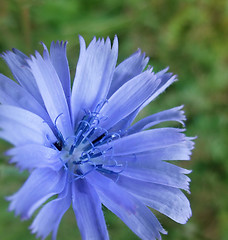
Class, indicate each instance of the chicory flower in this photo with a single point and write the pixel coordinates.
(81, 147)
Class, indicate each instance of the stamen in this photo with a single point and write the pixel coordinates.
(57, 119)
(59, 134)
(81, 153)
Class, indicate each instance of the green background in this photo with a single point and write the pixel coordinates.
(189, 36)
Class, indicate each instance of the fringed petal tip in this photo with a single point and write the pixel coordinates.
(182, 118)
(166, 76)
(56, 44)
(2, 55)
(80, 38)
(12, 208)
(34, 230)
(14, 59)
(190, 142)
(59, 44)
(174, 78)
(115, 42)
(143, 58)
(8, 199)
(186, 217)
(97, 42)
(17, 165)
(8, 152)
(5, 54)
(150, 69)
(44, 46)
(163, 71)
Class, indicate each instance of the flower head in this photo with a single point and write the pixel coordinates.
(81, 147)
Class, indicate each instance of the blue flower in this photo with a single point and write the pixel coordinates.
(81, 146)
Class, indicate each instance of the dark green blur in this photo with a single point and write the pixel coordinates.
(191, 37)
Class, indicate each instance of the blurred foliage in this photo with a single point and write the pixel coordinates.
(188, 36)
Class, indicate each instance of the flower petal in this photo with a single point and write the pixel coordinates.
(152, 170)
(167, 200)
(128, 98)
(93, 77)
(173, 114)
(13, 94)
(40, 186)
(88, 211)
(35, 156)
(128, 69)
(52, 93)
(132, 212)
(149, 140)
(17, 62)
(49, 217)
(21, 127)
(166, 79)
(59, 60)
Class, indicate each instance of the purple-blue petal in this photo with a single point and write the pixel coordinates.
(173, 114)
(128, 98)
(143, 168)
(49, 217)
(128, 208)
(93, 76)
(149, 140)
(52, 93)
(35, 156)
(166, 80)
(21, 127)
(59, 60)
(128, 69)
(167, 200)
(17, 62)
(13, 94)
(40, 186)
(88, 211)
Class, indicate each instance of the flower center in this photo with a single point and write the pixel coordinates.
(81, 153)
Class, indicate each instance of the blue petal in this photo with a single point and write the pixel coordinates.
(13, 94)
(59, 60)
(49, 217)
(88, 211)
(128, 98)
(166, 79)
(167, 200)
(150, 140)
(21, 127)
(151, 170)
(93, 77)
(173, 114)
(35, 156)
(40, 186)
(17, 62)
(178, 151)
(132, 212)
(128, 69)
(52, 92)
